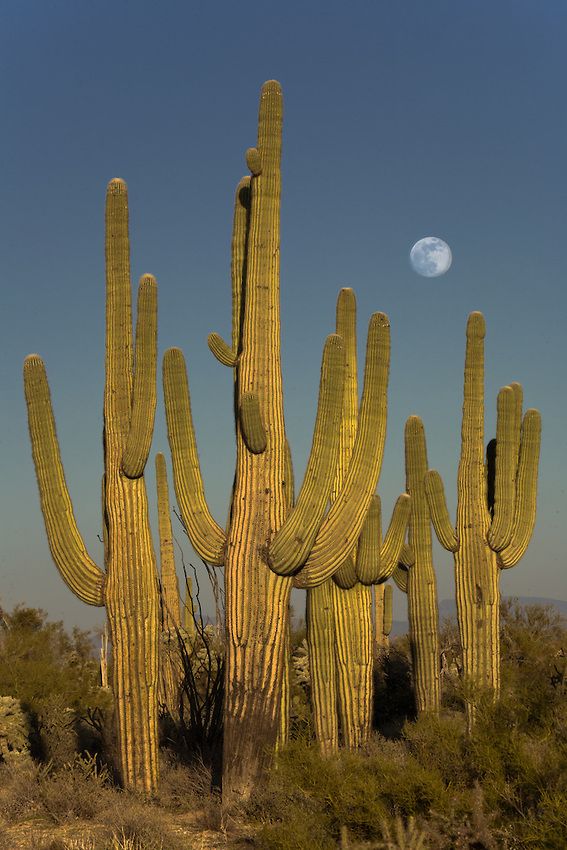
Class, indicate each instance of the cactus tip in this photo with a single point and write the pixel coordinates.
(254, 161)
(476, 325)
(117, 186)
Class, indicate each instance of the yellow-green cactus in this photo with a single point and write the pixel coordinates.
(267, 540)
(128, 588)
(339, 611)
(420, 583)
(489, 535)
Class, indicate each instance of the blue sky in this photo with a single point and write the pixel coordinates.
(402, 120)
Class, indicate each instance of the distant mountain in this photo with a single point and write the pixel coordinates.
(448, 608)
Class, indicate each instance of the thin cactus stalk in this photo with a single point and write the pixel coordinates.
(171, 669)
(494, 523)
(266, 540)
(128, 587)
(188, 613)
(381, 633)
(104, 658)
(423, 613)
(387, 612)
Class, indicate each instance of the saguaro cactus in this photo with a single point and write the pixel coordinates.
(494, 524)
(128, 588)
(267, 541)
(420, 584)
(339, 611)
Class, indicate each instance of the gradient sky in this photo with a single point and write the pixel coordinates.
(402, 120)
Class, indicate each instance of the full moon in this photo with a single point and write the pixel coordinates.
(431, 257)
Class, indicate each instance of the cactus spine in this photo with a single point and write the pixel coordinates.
(128, 588)
(488, 536)
(266, 540)
(421, 584)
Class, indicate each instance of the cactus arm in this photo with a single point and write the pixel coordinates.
(346, 576)
(343, 524)
(224, 353)
(388, 610)
(292, 543)
(400, 576)
(394, 537)
(207, 537)
(407, 556)
(507, 449)
(221, 350)
(79, 571)
(526, 490)
(435, 493)
(144, 392)
(251, 424)
(370, 543)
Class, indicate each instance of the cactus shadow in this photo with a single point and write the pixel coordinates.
(394, 695)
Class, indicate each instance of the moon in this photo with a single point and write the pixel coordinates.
(431, 256)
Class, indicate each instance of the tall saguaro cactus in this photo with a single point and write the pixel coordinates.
(267, 541)
(495, 519)
(128, 588)
(339, 611)
(420, 583)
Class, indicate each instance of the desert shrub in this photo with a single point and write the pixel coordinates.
(14, 731)
(439, 742)
(77, 790)
(134, 824)
(39, 658)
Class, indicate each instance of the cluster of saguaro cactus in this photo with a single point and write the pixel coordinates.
(267, 541)
(328, 541)
(496, 508)
(128, 588)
